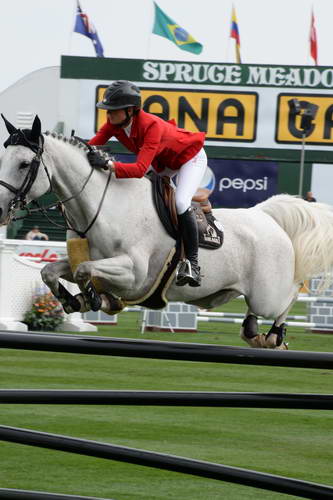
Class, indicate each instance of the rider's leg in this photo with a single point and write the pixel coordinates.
(188, 181)
(189, 270)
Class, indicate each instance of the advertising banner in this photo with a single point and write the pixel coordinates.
(235, 183)
(250, 106)
(240, 184)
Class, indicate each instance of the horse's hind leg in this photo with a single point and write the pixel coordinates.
(274, 339)
(276, 335)
(249, 330)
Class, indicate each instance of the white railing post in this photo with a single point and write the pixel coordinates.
(74, 322)
(8, 318)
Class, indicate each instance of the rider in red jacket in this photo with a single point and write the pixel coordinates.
(163, 146)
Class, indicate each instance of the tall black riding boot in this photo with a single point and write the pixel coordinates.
(189, 270)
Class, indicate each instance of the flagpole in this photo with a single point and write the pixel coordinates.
(229, 38)
(234, 33)
(152, 18)
(72, 27)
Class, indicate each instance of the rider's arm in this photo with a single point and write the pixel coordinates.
(96, 157)
(103, 135)
(147, 153)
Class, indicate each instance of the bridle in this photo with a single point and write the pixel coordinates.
(19, 138)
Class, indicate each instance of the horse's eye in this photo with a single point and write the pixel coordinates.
(24, 164)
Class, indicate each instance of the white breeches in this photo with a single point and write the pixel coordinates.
(188, 180)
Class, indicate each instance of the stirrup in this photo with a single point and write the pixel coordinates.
(185, 275)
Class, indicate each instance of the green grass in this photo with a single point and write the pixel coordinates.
(294, 443)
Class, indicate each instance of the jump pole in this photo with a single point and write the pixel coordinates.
(168, 398)
(13, 494)
(174, 463)
(238, 321)
(155, 349)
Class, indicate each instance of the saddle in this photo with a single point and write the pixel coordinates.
(210, 230)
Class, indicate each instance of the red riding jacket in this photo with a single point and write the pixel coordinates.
(154, 141)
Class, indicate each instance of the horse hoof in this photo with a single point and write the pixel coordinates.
(71, 308)
(110, 304)
(84, 304)
(282, 347)
(92, 297)
(271, 341)
(259, 341)
(69, 303)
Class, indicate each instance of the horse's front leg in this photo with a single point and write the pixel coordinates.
(51, 274)
(104, 281)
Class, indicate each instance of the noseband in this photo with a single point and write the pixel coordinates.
(19, 138)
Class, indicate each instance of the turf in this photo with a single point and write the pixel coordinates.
(294, 443)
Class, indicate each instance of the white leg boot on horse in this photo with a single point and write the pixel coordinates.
(189, 270)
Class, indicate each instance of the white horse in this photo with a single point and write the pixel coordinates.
(268, 252)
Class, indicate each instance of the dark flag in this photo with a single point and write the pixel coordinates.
(86, 28)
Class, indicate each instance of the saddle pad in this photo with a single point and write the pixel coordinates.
(210, 230)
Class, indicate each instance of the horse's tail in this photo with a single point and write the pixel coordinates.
(310, 228)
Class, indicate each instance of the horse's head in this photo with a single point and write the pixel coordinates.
(21, 178)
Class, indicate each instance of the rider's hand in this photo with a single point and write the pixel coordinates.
(98, 159)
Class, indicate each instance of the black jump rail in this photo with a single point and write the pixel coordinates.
(168, 398)
(12, 494)
(108, 346)
(164, 461)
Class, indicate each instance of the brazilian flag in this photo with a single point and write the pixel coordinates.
(166, 27)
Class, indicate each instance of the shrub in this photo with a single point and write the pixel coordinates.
(46, 313)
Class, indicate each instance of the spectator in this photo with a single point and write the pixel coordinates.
(309, 197)
(35, 234)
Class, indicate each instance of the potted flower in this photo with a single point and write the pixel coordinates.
(46, 313)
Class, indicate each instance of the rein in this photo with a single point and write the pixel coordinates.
(19, 201)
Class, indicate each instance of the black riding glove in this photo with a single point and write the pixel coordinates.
(98, 159)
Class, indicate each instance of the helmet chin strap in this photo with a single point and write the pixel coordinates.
(127, 120)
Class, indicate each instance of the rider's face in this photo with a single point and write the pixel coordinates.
(118, 116)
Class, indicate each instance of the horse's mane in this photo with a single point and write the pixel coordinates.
(73, 141)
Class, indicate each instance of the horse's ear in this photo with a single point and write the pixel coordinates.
(11, 129)
(36, 129)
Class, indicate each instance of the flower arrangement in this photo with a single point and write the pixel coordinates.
(46, 313)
